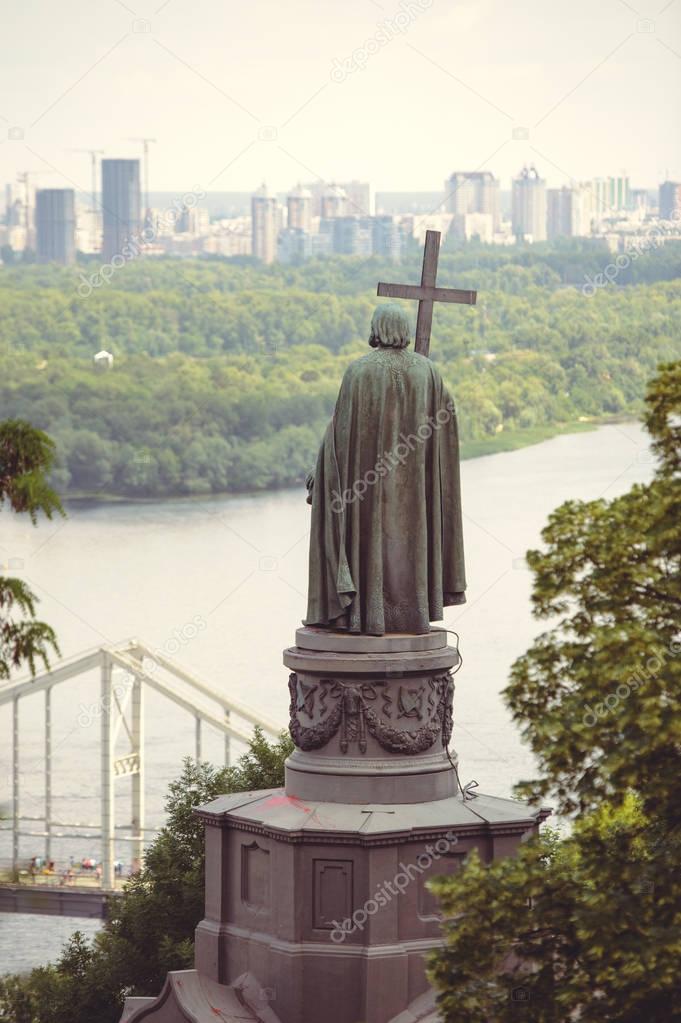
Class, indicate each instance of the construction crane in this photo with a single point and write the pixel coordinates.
(23, 179)
(93, 154)
(145, 149)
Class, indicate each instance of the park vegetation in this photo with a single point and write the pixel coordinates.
(225, 372)
(27, 456)
(588, 926)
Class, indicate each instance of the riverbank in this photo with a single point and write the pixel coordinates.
(508, 440)
(513, 440)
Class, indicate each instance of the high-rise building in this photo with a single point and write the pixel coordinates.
(610, 195)
(264, 225)
(352, 236)
(357, 198)
(472, 225)
(620, 192)
(293, 245)
(640, 200)
(473, 192)
(333, 202)
(560, 212)
(121, 207)
(14, 207)
(352, 198)
(386, 238)
(670, 200)
(321, 244)
(55, 218)
(88, 229)
(299, 206)
(529, 206)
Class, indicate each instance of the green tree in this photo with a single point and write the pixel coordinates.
(90, 461)
(150, 929)
(26, 458)
(201, 392)
(589, 927)
(596, 695)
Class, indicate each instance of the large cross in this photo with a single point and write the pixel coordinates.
(427, 293)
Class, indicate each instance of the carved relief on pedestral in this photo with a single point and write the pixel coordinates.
(352, 710)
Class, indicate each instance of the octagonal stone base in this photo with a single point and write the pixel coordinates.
(327, 903)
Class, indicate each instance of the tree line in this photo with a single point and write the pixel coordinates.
(225, 372)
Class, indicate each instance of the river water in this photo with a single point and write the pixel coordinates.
(237, 567)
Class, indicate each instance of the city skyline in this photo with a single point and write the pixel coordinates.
(447, 195)
(455, 196)
(496, 88)
(321, 220)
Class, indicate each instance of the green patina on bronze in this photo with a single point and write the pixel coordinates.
(390, 327)
(386, 544)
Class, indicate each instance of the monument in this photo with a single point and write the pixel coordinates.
(386, 548)
(317, 901)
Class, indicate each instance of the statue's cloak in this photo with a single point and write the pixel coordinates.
(386, 544)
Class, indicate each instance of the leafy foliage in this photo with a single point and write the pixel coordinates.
(23, 641)
(224, 376)
(589, 927)
(26, 457)
(583, 927)
(151, 926)
(597, 695)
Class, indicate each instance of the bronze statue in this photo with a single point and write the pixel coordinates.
(386, 544)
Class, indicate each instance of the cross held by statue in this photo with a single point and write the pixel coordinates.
(427, 293)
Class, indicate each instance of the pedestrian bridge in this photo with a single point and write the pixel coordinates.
(120, 708)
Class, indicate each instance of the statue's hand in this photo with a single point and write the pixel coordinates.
(309, 483)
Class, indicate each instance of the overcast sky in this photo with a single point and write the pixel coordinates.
(272, 89)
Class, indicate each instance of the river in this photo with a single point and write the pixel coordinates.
(238, 566)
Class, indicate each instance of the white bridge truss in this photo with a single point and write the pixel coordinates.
(121, 710)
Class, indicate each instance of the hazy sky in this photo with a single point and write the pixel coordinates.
(237, 92)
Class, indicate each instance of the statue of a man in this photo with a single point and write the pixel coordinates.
(386, 545)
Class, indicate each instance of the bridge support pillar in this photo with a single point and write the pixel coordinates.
(107, 773)
(15, 786)
(138, 778)
(48, 774)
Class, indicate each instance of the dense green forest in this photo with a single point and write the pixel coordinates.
(225, 372)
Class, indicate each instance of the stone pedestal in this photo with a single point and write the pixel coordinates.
(317, 899)
(319, 890)
(371, 717)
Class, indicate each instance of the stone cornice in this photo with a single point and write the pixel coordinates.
(384, 838)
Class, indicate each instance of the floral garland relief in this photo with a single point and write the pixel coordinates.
(352, 710)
